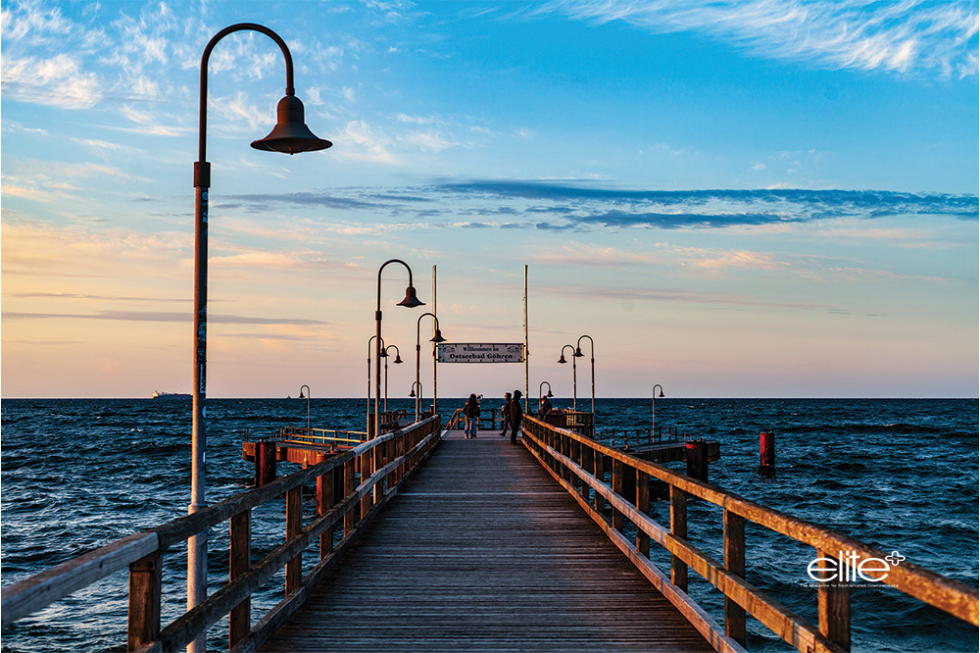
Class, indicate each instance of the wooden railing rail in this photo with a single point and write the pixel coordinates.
(321, 436)
(580, 465)
(458, 419)
(385, 463)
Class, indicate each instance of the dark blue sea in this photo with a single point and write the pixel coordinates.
(900, 475)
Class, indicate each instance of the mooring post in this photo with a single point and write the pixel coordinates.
(767, 453)
(697, 459)
(265, 462)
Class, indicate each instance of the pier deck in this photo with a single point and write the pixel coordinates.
(483, 551)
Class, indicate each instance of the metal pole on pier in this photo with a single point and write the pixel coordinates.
(289, 136)
(527, 386)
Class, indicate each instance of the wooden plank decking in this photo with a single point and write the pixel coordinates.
(483, 551)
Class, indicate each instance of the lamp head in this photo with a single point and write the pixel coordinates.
(562, 359)
(291, 135)
(411, 300)
(438, 337)
(578, 353)
(301, 395)
(383, 353)
(398, 359)
(661, 394)
(412, 393)
(549, 395)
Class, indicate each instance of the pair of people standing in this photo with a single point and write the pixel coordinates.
(512, 415)
(471, 411)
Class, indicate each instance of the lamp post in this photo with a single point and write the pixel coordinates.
(367, 410)
(578, 354)
(290, 135)
(307, 397)
(398, 361)
(410, 301)
(540, 387)
(653, 410)
(418, 397)
(418, 348)
(574, 381)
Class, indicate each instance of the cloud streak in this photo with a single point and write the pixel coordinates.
(901, 37)
(556, 206)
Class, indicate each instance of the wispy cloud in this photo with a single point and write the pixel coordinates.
(904, 37)
(156, 316)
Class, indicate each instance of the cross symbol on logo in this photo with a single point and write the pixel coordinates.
(895, 558)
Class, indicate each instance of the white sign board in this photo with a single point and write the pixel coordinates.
(454, 352)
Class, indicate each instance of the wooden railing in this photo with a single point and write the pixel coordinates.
(491, 423)
(344, 498)
(582, 466)
(636, 437)
(326, 437)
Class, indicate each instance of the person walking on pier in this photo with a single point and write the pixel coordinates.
(472, 413)
(505, 415)
(516, 415)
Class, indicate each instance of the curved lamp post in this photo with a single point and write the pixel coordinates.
(410, 301)
(574, 380)
(418, 397)
(578, 354)
(653, 410)
(290, 135)
(541, 387)
(307, 397)
(367, 410)
(418, 348)
(397, 361)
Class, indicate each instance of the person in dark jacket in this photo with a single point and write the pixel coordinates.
(505, 414)
(472, 413)
(516, 416)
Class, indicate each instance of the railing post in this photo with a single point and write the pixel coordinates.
(616, 518)
(324, 502)
(834, 604)
(145, 583)
(294, 524)
(350, 517)
(734, 533)
(587, 464)
(239, 562)
(643, 506)
(678, 528)
(599, 471)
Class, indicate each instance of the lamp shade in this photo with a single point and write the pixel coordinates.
(398, 359)
(291, 135)
(578, 353)
(438, 337)
(562, 359)
(411, 300)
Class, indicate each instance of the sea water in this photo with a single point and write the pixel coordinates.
(900, 475)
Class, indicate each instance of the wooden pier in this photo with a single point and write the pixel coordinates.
(484, 552)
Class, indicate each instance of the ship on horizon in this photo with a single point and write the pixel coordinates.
(170, 395)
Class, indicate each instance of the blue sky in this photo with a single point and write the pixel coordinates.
(772, 198)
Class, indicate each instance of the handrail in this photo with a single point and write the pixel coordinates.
(384, 463)
(569, 456)
(321, 436)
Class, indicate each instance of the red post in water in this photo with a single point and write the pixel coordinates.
(767, 452)
(697, 459)
(265, 462)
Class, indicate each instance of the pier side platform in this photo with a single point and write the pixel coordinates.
(483, 551)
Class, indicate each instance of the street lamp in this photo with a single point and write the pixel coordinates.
(398, 361)
(307, 397)
(653, 409)
(418, 348)
(574, 380)
(367, 409)
(578, 354)
(540, 387)
(290, 135)
(410, 301)
(418, 397)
